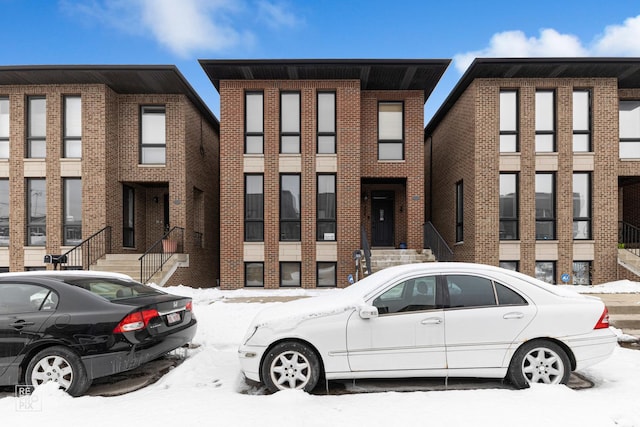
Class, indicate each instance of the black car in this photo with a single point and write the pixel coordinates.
(74, 326)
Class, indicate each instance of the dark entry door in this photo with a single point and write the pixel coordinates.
(128, 217)
(382, 219)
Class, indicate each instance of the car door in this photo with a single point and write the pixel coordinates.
(408, 333)
(482, 320)
(24, 308)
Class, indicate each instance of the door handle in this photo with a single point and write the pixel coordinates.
(21, 324)
(514, 315)
(431, 321)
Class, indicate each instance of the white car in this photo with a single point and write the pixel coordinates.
(430, 320)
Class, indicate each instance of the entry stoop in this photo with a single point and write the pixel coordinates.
(624, 311)
(383, 258)
(129, 264)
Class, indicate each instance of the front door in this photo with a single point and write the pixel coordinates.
(382, 219)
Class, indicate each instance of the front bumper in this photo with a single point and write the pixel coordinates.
(101, 365)
(250, 357)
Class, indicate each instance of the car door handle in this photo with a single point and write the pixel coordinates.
(21, 324)
(431, 321)
(514, 315)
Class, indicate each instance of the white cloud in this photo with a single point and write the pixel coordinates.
(275, 15)
(617, 40)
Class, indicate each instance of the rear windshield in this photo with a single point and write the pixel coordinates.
(113, 289)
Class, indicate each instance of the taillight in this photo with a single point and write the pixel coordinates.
(189, 306)
(603, 323)
(135, 321)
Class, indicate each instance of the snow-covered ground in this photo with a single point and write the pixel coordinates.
(207, 389)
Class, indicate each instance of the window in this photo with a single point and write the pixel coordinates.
(507, 296)
(409, 296)
(327, 275)
(629, 129)
(581, 121)
(509, 206)
(36, 212)
(72, 211)
(4, 212)
(254, 274)
(581, 206)
(254, 208)
(546, 271)
(459, 212)
(326, 122)
(508, 121)
(509, 265)
(545, 121)
(290, 122)
(390, 131)
(470, 291)
(253, 122)
(290, 274)
(128, 216)
(545, 206)
(17, 298)
(37, 127)
(290, 207)
(72, 127)
(582, 273)
(4, 128)
(326, 205)
(198, 218)
(153, 141)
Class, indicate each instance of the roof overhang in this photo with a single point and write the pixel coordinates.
(373, 74)
(625, 70)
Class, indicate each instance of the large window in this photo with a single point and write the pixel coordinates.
(254, 274)
(37, 127)
(582, 273)
(72, 211)
(326, 205)
(545, 121)
(153, 140)
(509, 206)
(4, 212)
(581, 121)
(36, 212)
(508, 121)
(629, 129)
(290, 122)
(290, 207)
(327, 274)
(545, 206)
(582, 206)
(254, 208)
(509, 265)
(390, 131)
(459, 211)
(253, 123)
(326, 122)
(290, 274)
(4, 128)
(72, 127)
(546, 271)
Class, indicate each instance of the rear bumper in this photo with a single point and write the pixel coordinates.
(592, 348)
(101, 365)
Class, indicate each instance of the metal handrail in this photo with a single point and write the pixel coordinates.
(629, 238)
(158, 254)
(87, 252)
(434, 241)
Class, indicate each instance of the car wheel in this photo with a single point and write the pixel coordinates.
(539, 362)
(290, 365)
(61, 365)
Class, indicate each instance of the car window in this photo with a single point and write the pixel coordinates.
(411, 295)
(26, 298)
(507, 296)
(113, 289)
(470, 291)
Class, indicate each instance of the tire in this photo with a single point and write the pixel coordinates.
(61, 365)
(539, 362)
(290, 365)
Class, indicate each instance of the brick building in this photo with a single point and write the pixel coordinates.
(534, 164)
(314, 151)
(131, 150)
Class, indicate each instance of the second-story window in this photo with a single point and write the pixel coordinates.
(153, 135)
(290, 122)
(4, 212)
(629, 129)
(545, 206)
(4, 128)
(326, 122)
(582, 205)
(581, 121)
(254, 208)
(72, 127)
(508, 206)
(290, 207)
(37, 127)
(36, 212)
(253, 123)
(508, 121)
(390, 131)
(326, 205)
(72, 229)
(545, 121)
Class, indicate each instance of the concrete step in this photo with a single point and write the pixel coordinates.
(625, 321)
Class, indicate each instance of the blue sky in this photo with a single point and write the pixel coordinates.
(180, 32)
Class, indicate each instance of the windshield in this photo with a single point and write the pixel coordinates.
(113, 289)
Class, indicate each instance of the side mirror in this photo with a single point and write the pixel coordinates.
(368, 312)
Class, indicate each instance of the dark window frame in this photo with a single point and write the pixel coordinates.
(322, 133)
(248, 220)
(67, 228)
(4, 140)
(515, 262)
(249, 134)
(299, 264)
(392, 141)
(589, 272)
(515, 132)
(335, 274)
(246, 265)
(290, 220)
(31, 226)
(589, 218)
(37, 138)
(515, 219)
(459, 209)
(554, 217)
(553, 131)
(554, 269)
(128, 232)
(587, 132)
(152, 109)
(634, 139)
(298, 134)
(333, 221)
(5, 228)
(66, 137)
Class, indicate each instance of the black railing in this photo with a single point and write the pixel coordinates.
(152, 261)
(365, 248)
(629, 238)
(434, 241)
(88, 252)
